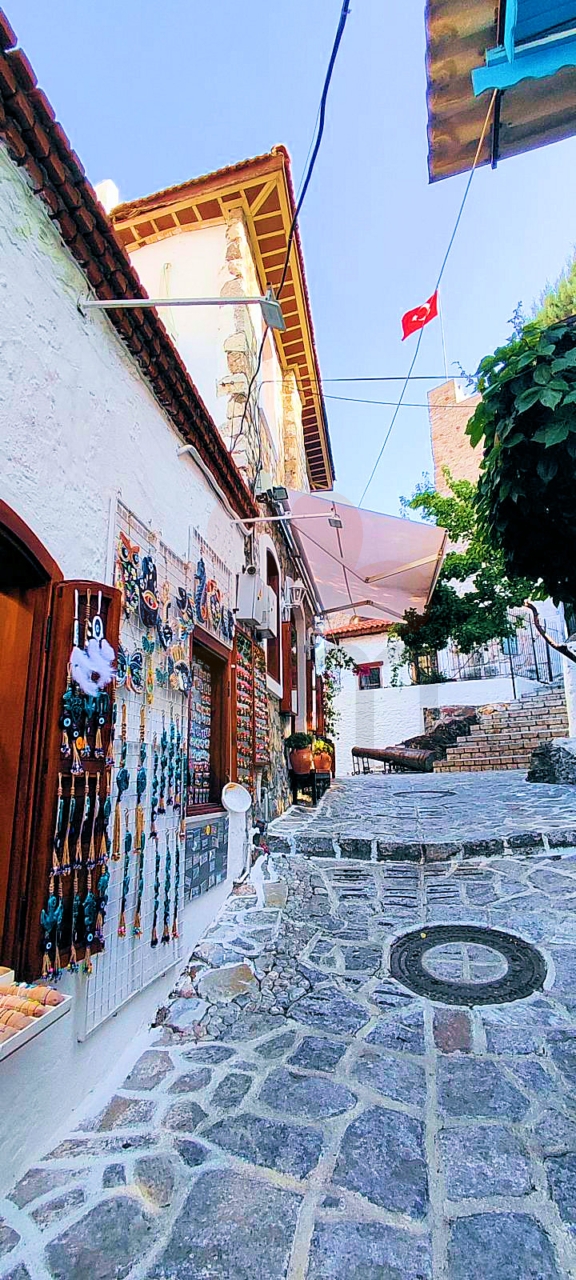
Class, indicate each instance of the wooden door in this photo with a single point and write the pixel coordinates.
(30, 864)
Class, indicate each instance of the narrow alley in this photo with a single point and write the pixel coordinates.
(368, 1069)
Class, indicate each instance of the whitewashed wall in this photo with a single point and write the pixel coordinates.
(386, 716)
(78, 424)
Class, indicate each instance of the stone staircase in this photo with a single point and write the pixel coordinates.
(508, 733)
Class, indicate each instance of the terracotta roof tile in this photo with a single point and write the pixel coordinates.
(36, 141)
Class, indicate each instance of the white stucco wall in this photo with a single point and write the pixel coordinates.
(386, 716)
(78, 423)
(193, 265)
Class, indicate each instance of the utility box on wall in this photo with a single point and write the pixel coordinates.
(252, 599)
(206, 855)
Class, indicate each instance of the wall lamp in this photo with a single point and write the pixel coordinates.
(270, 307)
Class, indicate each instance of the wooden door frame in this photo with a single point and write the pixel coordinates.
(32, 736)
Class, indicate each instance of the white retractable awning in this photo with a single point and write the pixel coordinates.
(364, 563)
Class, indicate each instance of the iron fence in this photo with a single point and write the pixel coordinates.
(525, 654)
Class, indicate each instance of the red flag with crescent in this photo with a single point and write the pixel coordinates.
(419, 316)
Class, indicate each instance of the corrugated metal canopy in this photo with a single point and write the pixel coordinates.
(531, 113)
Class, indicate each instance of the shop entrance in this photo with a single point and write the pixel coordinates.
(27, 573)
(209, 728)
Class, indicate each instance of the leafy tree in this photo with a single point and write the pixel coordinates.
(527, 422)
(474, 595)
(558, 301)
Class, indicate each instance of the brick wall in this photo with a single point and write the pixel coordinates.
(450, 412)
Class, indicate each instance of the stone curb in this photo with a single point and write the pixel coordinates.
(376, 850)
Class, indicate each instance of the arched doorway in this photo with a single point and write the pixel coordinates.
(27, 575)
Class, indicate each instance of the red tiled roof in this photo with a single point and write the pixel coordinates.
(365, 627)
(37, 143)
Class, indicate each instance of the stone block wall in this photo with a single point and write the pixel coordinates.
(450, 413)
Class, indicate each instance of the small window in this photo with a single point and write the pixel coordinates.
(370, 676)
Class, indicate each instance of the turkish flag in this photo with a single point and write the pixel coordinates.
(419, 316)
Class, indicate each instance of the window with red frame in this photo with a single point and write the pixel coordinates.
(370, 675)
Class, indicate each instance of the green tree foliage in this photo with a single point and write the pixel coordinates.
(474, 595)
(527, 423)
(336, 660)
(558, 301)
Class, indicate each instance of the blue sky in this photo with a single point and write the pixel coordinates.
(153, 94)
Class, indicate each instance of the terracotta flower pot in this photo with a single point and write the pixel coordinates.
(322, 761)
(301, 761)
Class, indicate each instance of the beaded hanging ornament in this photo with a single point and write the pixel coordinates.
(163, 767)
(154, 935)
(175, 933)
(52, 914)
(171, 761)
(122, 784)
(167, 882)
(125, 881)
(140, 837)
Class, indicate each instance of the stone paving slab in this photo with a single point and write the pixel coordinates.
(327, 1123)
(428, 817)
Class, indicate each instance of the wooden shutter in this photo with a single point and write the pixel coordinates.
(310, 695)
(35, 875)
(286, 702)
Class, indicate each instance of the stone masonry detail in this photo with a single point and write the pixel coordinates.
(507, 735)
(315, 1120)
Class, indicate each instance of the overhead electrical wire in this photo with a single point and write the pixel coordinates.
(391, 404)
(440, 275)
(345, 10)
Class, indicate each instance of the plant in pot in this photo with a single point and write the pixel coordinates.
(299, 746)
(322, 753)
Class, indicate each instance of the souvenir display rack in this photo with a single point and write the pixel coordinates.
(67, 895)
(199, 733)
(250, 709)
(243, 717)
(261, 717)
(149, 786)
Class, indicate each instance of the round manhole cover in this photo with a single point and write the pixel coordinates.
(466, 964)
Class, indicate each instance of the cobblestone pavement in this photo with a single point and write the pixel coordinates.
(403, 815)
(299, 1113)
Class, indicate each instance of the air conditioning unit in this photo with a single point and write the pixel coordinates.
(251, 598)
(269, 625)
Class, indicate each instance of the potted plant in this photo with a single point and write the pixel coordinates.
(322, 753)
(299, 746)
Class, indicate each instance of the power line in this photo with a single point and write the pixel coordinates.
(391, 404)
(440, 274)
(321, 122)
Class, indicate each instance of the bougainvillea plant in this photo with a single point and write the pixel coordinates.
(527, 488)
(336, 660)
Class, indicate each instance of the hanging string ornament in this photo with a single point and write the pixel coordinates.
(74, 938)
(137, 926)
(122, 784)
(167, 881)
(66, 861)
(163, 766)
(125, 881)
(103, 885)
(155, 786)
(57, 838)
(110, 752)
(171, 752)
(178, 768)
(175, 933)
(51, 921)
(154, 935)
(90, 913)
(140, 784)
(104, 818)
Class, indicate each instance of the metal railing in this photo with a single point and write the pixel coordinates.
(525, 655)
